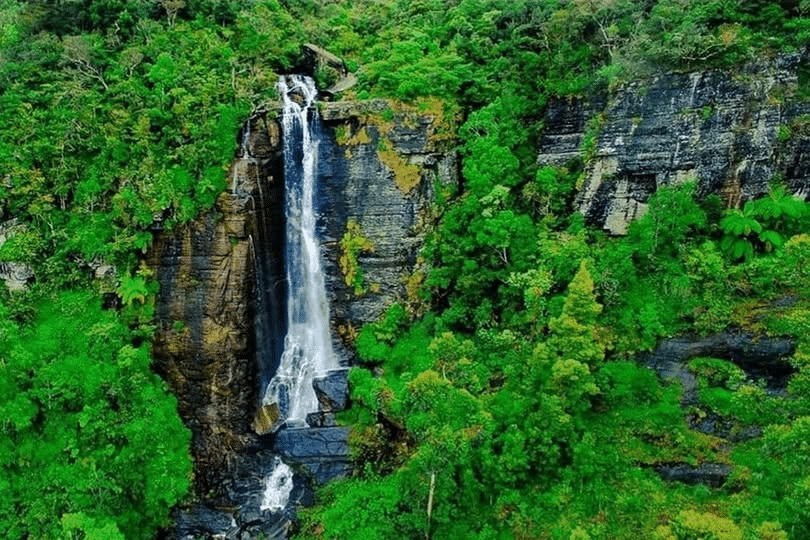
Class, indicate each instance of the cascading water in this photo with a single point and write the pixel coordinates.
(308, 344)
(277, 487)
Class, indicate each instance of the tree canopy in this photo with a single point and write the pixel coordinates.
(505, 402)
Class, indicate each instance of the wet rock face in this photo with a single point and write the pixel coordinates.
(244, 517)
(332, 390)
(361, 186)
(206, 341)
(322, 452)
(730, 132)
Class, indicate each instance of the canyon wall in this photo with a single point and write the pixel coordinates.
(731, 132)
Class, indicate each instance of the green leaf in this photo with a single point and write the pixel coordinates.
(132, 289)
(771, 239)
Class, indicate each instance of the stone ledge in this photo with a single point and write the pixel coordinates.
(708, 474)
(322, 452)
(345, 110)
(326, 442)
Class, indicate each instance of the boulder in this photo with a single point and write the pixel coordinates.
(306, 443)
(321, 419)
(708, 474)
(201, 519)
(322, 452)
(267, 420)
(332, 390)
(331, 68)
(16, 275)
(760, 357)
(342, 85)
(322, 58)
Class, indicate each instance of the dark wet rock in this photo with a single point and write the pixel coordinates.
(718, 426)
(761, 357)
(361, 187)
(321, 419)
(332, 390)
(201, 520)
(267, 420)
(322, 452)
(708, 474)
(246, 491)
(304, 443)
(251, 516)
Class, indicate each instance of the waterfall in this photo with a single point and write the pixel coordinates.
(308, 345)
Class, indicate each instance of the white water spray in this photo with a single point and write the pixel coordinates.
(308, 345)
(277, 487)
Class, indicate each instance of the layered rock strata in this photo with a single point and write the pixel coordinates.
(206, 342)
(731, 132)
(377, 146)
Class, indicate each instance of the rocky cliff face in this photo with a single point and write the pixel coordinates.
(730, 132)
(221, 316)
(206, 341)
(384, 161)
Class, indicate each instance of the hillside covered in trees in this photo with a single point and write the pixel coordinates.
(503, 396)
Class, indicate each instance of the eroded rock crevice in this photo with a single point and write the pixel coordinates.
(763, 359)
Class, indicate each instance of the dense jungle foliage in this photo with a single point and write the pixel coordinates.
(506, 402)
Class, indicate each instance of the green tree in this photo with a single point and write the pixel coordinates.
(763, 224)
(643, 277)
(91, 438)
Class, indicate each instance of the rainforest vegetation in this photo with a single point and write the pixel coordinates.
(504, 400)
